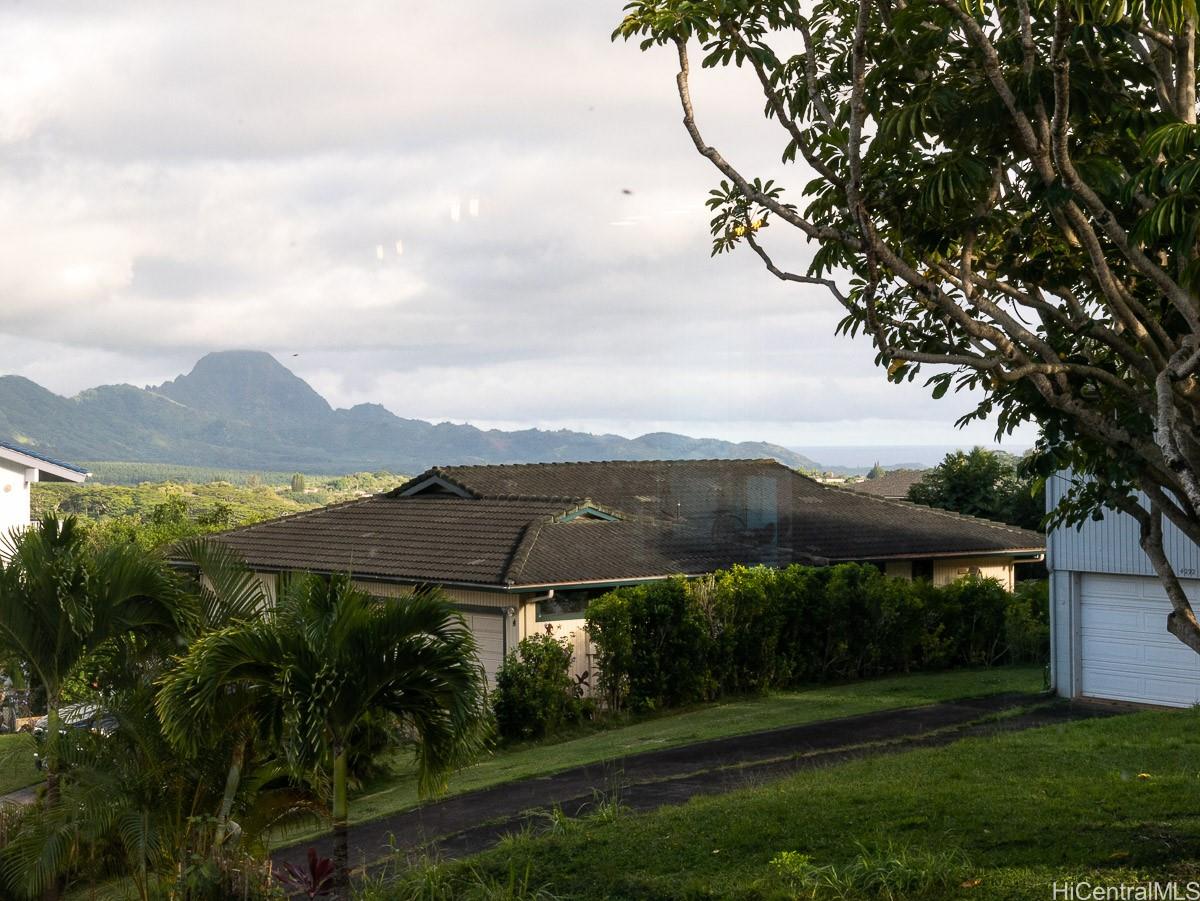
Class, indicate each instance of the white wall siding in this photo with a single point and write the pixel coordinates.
(1062, 633)
(14, 497)
(1111, 545)
(1079, 559)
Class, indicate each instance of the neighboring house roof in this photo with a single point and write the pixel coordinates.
(894, 483)
(53, 470)
(535, 525)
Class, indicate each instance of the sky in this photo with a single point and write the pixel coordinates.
(475, 212)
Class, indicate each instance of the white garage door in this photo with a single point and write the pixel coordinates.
(489, 635)
(1127, 653)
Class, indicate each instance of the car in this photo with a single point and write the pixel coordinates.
(79, 716)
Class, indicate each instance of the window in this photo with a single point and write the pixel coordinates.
(922, 569)
(564, 605)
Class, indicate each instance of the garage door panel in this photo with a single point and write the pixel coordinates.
(1173, 692)
(1126, 588)
(1127, 648)
(488, 629)
(1127, 653)
(1112, 618)
(1141, 688)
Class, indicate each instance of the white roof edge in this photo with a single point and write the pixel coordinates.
(30, 461)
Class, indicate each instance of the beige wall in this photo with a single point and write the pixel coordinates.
(898, 569)
(460, 595)
(951, 569)
(270, 584)
(572, 629)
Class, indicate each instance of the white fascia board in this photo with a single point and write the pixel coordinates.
(60, 473)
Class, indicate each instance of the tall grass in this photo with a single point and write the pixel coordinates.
(888, 872)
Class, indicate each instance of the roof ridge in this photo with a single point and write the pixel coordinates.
(550, 498)
(522, 550)
(442, 469)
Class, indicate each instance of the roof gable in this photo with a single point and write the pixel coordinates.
(430, 484)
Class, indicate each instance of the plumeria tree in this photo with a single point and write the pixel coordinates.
(1005, 196)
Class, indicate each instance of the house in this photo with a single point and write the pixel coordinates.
(1108, 612)
(893, 484)
(19, 469)
(522, 546)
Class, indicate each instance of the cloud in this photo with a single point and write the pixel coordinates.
(464, 211)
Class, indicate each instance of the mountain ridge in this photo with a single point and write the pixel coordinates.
(246, 409)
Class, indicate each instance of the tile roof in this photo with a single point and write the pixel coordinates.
(515, 525)
(589, 551)
(840, 524)
(436, 539)
(893, 483)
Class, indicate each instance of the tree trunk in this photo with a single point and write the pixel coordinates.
(232, 781)
(53, 727)
(341, 845)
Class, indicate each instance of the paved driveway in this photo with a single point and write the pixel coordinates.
(469, 823)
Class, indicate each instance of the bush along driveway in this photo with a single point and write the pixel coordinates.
(472, 822)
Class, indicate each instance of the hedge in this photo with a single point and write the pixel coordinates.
(749, 630)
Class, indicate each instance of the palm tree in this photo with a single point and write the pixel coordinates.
(229, 592)
(63, 600)
(320, 661)
(132, 797)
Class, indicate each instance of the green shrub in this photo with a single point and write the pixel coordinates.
(745, 627)
(669, 646)
(981, 606)
(808, 643)
(609, 626)
(535, 694)
(752, 629)
(1027, 623)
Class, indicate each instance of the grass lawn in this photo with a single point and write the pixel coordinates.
(16, 763)
(398, 791)
(1112, 800)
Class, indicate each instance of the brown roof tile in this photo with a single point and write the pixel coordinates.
(436, 539)
(894, 483)
(675, 517)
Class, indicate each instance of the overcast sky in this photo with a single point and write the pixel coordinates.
(426, 202)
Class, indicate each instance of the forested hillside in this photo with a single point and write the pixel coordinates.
(154, 513)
